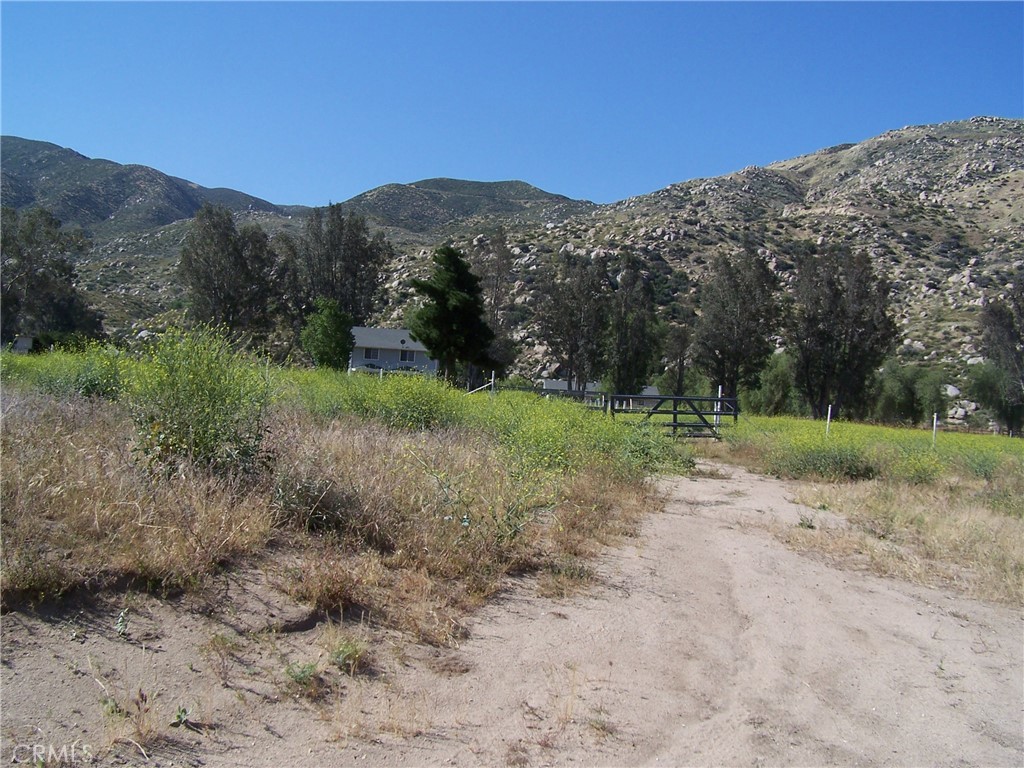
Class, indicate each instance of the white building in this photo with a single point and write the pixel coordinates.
(388, 349)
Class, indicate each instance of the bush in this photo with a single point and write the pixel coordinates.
(194, 398)
(327, 335)
(96, 370)
(829, 460)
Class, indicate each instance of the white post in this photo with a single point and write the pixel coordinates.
(492, 382)
(935, 427)
(718, 408)
(828, 421)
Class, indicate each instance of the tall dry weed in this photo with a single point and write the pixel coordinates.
(78, 512)
(944, 533)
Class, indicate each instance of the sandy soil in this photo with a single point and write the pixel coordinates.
(704, 641)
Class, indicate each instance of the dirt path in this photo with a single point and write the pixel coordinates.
(705, 642)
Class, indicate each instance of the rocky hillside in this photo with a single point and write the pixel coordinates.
(939, 207)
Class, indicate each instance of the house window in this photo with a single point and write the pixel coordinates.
(408, 356)
(371, 353)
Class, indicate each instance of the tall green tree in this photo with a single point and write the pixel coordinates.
(229, 273)
(676, 336)
(327, 335)
(1002, 387)
(572, 316)
(338, 259)
(38, 292)
(632, 331)
(775, 394)
(841, 327)
(739, 311)
(491, 260)
(450, 323)
(908, 393)
(993, 387)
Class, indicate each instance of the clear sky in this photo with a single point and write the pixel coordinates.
(309, 103)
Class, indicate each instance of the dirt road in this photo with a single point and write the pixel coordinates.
(705, 642)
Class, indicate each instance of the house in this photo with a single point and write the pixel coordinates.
(388, 349)
(23, 344)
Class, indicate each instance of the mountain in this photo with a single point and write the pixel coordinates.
(940, 208)
(102, 197)
(438, 204)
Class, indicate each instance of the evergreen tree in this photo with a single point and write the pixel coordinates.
(993, 387)
(491, 261)
(840, 330)
(450, 323)
(38, 295)
(1002, 388)
(572, 317)
(676, 335)
(631, 341)
(327, 335)
(337, 259)
(229, 274)
(732, 337)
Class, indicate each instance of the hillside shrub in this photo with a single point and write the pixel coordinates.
(194, 398)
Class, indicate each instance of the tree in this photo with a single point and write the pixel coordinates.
(327, 335)
(732, 338)
(450, 323)
(676, 337)
(491, 261)
(840, 329)
(572, 316)
(999, 383)
(230, 274)
(339, 260)
(993, 387)
(908, 393)
(775, 394)
(38, 295)
(631, 346)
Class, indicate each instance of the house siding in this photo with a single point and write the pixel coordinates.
(388, 345)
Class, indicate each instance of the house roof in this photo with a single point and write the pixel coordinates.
(385, 338)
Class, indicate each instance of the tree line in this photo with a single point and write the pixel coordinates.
(826, 342)
(825, 345)
(285, 292)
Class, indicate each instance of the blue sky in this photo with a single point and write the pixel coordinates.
(308, 103)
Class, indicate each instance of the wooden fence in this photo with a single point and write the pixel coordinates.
(685, 416)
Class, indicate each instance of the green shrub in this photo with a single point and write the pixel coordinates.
(829, 460)
(411, 402)
(95, 370)
(327, 335)
(194, 398)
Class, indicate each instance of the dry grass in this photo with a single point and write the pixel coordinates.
(941, 534)
(78, 512)
(405, 529)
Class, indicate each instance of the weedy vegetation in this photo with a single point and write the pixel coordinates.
(398, 500)
(948, 513)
